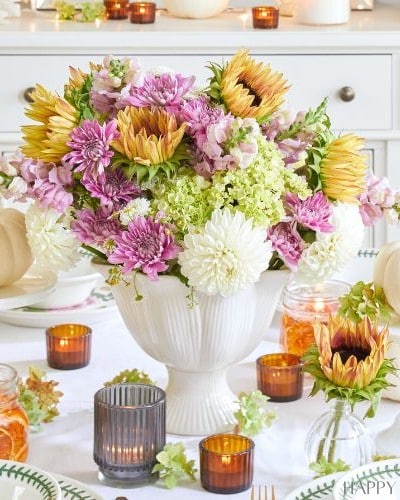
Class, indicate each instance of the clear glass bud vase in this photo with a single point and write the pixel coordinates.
(339, 434)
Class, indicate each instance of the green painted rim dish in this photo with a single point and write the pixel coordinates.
(320, 488)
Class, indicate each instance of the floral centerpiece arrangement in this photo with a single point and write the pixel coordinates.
(213, 185)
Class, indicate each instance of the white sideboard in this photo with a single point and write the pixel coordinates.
(356, 65)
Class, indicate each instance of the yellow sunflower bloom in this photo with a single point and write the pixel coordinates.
(350, 354)
(251, 89)
(57, 119)
(148, 137)
(343, 169)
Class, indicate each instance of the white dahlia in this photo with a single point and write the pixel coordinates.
(226, 256)
(53, 244)
(138, 206)
(331, 252)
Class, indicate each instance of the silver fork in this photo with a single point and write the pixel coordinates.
(261, 493)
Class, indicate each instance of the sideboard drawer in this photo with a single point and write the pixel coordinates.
(312, 77)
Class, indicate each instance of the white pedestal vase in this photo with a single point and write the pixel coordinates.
(198, 344)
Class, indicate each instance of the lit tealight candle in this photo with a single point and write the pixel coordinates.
(226, 463)
(280, 376)
(265, 17)
(142, 12)
(68, 346)
(116, 9)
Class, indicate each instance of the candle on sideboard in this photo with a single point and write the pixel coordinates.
(303, 305)
(116, 9)
(142, 12)
(68, 346)
(265, 17)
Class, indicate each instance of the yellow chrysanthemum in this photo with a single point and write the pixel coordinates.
(148, 137)
(77, 78)
(251, 89)
(48, 141)
(350, 354)
(343, 169)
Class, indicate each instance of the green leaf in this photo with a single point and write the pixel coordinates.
(253, 413)
(173, 466)
(323, 467)
(133, 376)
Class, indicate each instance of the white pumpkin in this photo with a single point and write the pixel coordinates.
(195, 9)
(15, 253)
(387, 273)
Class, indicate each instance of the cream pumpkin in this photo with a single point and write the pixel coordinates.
(15, 253)
(387, 273)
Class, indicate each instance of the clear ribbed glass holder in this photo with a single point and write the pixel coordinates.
(129, 431)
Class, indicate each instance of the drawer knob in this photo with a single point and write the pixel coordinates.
(347, 94)
(27, 94)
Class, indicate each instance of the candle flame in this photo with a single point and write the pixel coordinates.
(226, 460)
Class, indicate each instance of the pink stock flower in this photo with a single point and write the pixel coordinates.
(145, 245)
(376, 200)
(314, 212)
(287, 242)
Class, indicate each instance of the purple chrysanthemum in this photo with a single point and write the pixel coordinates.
(145, 245)
(287, 241)
(166, 90)
(113, 188)
(96, 228)
(314, 212)
(90, 143)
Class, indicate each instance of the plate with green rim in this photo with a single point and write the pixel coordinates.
(375, 480)
(320, 488)
(75, 490)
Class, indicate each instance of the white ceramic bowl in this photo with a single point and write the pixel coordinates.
(25, 482)
(73, 287)
(195, 9)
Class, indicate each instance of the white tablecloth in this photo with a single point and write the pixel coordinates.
(65, 446)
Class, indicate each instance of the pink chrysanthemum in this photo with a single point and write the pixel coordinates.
(113, 188)
(90, 143)
(314, 212)
(96, 228)
(166, 90)
(145, 245)
(287, 242)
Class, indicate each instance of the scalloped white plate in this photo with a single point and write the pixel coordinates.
(99, 307)
(75, 490)
(27, 290)
(320, 488)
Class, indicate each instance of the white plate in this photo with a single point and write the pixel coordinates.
(99, 307)
(25, 482)
(320, 488)
(75, 490)
(25, 291)
(376, 480)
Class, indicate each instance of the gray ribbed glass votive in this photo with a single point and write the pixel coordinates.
(129, 431)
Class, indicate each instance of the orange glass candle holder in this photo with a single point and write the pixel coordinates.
(68, 346)
(116, 9)
(265, 17)
(142, 12)
(226, 463)
(303, 305)
(280, 376)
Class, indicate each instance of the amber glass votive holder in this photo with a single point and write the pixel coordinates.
(226, 463)
(116, 9)
(129, 431)
(280, 376)
(68, 346)
(142, 12)
(265, 17)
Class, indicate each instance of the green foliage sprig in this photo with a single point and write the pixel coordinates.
(253, 413)
(86, 12)
(173, 465)
(323, 467)
(365, 300)
(133, 376)
(39, 397)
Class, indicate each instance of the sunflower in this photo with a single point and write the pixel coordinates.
(343, 169)
(150, 139)
(47, 142)
(248, 89)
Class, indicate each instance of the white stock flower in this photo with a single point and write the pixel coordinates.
(226, 256)
(331, 252)
(138, 206)
(53, 244)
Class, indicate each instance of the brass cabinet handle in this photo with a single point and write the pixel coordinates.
(27, 94)
(347, 94)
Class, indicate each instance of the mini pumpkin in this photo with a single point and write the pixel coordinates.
(15, 253)
(387, 273)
